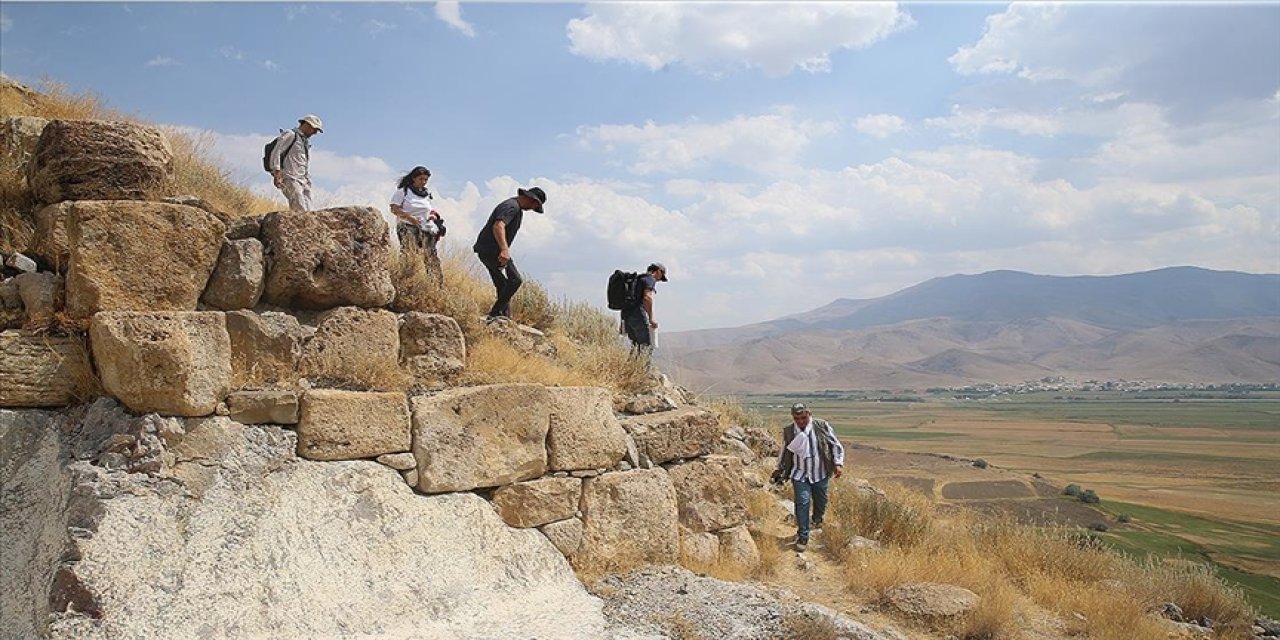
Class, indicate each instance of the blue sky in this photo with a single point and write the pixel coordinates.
(775, 156)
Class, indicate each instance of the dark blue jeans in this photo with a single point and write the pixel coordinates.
(506, 280)
(809, 494)
(636, 322)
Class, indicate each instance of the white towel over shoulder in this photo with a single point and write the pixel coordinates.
(801, 445)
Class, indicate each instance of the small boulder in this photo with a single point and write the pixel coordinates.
(651, 402)
(269, 406)
(699, 550)
(50, 240)
(584, 434)
(347, 425)
(237, 278)
(96, 160)
(265, 348)
(431, 345)
(931, 600)
(327, 258)
(687, 432)
(484, 436)
(172, 363)
(139, 256)
(738, 549)
(42, 371)
(19, 136)
(243, 227)
(566, 535)
(41, 295)
(402, 461)
(355, 348)
(537, 502)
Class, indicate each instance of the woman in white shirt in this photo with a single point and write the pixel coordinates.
(420, 226)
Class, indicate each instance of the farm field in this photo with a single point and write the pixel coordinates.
(1197, 478)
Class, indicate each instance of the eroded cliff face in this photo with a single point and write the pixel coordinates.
(229, 534)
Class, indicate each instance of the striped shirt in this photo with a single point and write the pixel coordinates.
(812, 469)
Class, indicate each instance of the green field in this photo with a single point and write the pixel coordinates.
(1198, 476)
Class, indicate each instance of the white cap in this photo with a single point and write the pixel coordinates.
(313, 120)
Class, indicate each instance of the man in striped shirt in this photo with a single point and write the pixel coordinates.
(811, 455)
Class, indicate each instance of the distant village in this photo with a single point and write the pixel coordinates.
(1148, 388)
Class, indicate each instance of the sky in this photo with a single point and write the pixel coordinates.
(775, 156)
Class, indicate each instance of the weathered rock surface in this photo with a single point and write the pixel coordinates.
(431, 345)
(536, 502)
(96, 160)
(355, 347)
(242, 227)
(698, 549)
(687, 432)
(642, 403)
(237, 279)
(50, 241)
(346, 425)
(139, 256)
(584, 434)
(244, 540)
(932, 600)
(483, 436)
(710, 493)
(738, 549)
(566, 535)
(629, 518)
(327, 258)
(402, 461)
(265, 347)
(41, 295)
(172, 363)
(680, 604)
(264, 406)
(19, 136)
(42, 371)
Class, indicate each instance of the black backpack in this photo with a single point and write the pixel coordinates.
(266, 151)
(622, 292)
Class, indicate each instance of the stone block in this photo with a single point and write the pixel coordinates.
(738, 549)
(629, 519)
(327, 258)
(710, 493)
(268, 406)
(347, 425)
(687, 432)
(584, 433)
(536, 502)
(172, 363)
(97, 160)
(237, 278)
(484, 436)
(266, 348)
(42, 371)
(431, 345)
(355, 347)
(566, 535)
(139, 256)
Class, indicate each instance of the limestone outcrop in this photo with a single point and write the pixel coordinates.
(236, 537)
(932, 600)
(139, 256)
(172, 363)
(478, 437)
(327, 258)
(95, 160)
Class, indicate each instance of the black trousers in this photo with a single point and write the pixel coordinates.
(506, 281)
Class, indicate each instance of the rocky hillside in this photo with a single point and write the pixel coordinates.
(1180, 325)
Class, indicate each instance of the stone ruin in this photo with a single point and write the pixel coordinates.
(273, 452)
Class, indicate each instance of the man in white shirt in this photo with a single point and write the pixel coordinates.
(811, 455)
(290, 162)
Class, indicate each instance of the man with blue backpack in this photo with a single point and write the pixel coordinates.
(288, 160)
(632, 294)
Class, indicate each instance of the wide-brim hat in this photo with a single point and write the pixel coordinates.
(312, 120)
(537, 195)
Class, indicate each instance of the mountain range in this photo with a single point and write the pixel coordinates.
(1179, 324)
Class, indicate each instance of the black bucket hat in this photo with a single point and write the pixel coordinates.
(537, 194)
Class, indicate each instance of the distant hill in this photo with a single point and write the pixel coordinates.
(1181, 324)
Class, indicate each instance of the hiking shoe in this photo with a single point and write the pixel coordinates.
(817, 526)
(802, 544)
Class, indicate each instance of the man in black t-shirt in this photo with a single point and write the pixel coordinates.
(638, 322)
(493, 246)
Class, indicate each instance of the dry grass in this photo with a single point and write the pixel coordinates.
(771, 555)
(732, 412)
(810, 627)
(1097, 592)
(331, 370)
(194, 173)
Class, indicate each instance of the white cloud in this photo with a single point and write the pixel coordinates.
(162, 61)
(6, 23)
(718, 37)
(1030, 39)
(769, 143)
(450, 12)
(270, 65)
(375, 27)
(231, 53)
(969, 122)
(880, 125)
